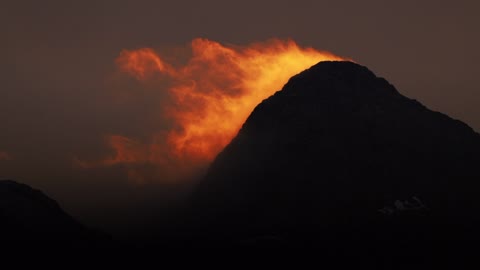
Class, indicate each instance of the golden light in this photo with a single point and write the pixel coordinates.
(219, 87)
(210, 97)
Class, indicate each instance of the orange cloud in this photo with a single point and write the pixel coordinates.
(209, 96)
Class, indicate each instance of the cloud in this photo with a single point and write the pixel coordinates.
(199, 104)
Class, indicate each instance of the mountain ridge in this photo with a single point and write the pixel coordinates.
(331, 150)
(32, 220)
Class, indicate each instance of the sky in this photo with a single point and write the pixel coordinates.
(61, 91)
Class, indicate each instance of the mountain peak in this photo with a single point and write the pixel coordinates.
(10, 189)
(31, 219)
(340, 75)
(339, 146)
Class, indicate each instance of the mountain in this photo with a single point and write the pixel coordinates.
(339, 159)
(31, 220)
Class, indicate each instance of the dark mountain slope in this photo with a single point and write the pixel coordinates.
(338, 150)
(31, 220)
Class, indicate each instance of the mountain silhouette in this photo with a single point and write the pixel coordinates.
(340, 159)
(337, 160)
(32, 221)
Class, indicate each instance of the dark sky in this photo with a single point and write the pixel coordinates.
(57, 57)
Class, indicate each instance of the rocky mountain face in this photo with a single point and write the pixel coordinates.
(31, 220)
(339, 158)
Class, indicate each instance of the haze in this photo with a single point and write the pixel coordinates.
(61, 91)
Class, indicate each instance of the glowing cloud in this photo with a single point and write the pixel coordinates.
(211, 95)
